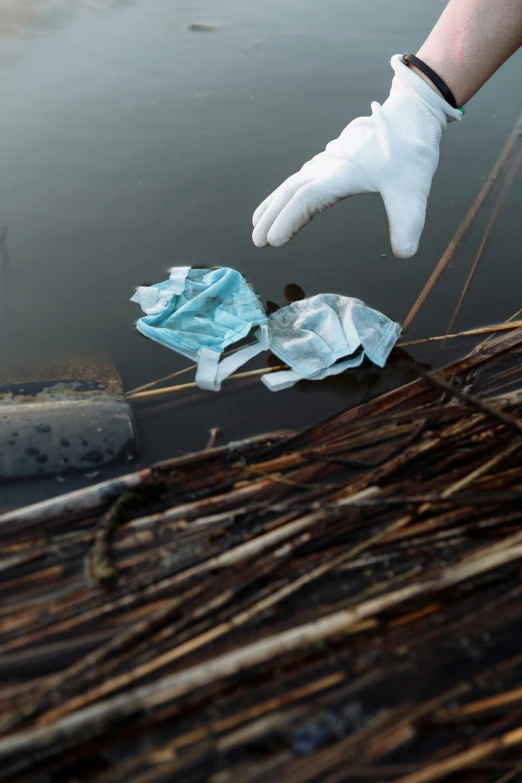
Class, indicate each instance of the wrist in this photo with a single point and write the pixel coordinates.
(441, 65)
(424, 78)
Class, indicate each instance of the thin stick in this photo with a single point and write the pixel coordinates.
(212, 438)
(78, 501)
(471, 757)
(469, 333)
(501, 200)
(489, 703)
(160, 380)
(179, 372)
(507, 321)
(481, 470)
(460, 761)
(467, 222)
(509, 421)
(193, 385)
(510, 775)
(100, 565)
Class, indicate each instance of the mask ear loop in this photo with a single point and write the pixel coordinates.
(278, 381)
(178, 279)
(285, 379)
(211, 372)
(153, 300)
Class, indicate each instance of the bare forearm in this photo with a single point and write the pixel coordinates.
(471, 40)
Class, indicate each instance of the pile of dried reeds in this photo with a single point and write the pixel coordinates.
(339, 605)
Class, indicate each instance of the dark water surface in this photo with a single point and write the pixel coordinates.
(131, 143)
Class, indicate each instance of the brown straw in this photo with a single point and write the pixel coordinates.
(516, 160)
(467, 222)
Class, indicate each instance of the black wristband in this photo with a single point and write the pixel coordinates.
(439, 83)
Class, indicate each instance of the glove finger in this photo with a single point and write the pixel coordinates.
(309, 200)
(406, 215)
(260, 211)
(280, 199)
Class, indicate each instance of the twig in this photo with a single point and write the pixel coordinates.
(469, 333)
(181, 372)
(467, 222)
(160, 380)
(213, 436)
(481, 470)
(468, 758)
(193, 384)
(77, 502)
(471, 399)
(99, 564)
(501, 200)
(278, 479)
(483, 705)
(509, 775)
(511, 319)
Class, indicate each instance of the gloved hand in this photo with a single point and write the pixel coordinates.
(395, 152)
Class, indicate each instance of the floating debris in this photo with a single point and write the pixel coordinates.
(271, 307)
(202, 27)
(212, 438)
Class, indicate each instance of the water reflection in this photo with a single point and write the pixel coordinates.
(364, 382)
(293, 292)
(271, 307)
(22, 17)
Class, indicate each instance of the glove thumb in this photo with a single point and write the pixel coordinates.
(406, 210)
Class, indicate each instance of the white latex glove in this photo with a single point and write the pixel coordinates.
(394, 152)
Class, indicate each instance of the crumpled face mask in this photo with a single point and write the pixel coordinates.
(201, 312)
(325, 335)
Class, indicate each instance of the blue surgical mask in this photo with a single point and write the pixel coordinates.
(326, 335)
(200, 313)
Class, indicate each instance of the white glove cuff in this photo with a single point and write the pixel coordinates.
(417, 111)
(407, 81)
